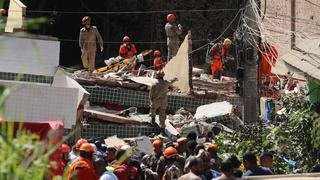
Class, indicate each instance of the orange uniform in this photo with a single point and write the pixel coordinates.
(157, 63)
(218, 52)
(269, 57)
(82, 169)
(127, 50)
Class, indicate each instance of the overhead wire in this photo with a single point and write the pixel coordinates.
(255, 33)
(131, 12)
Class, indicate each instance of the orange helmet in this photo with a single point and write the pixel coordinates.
(87, 147)
(170, 152)
(157, 144)
(80, 142)
(126, 39)
(86, 20)
(156, 53)
(171, 17)
(65, 148)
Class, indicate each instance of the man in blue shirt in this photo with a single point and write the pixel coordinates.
(250, 163)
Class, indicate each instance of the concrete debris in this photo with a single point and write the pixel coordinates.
(97, 115)
(213, 110)
(178, 67)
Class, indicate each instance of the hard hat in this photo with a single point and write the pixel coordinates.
(212, 147)
(157, 144)
(126, 39)
(94, 147)
(227, 42)
(87, 147)
(160, 74)
(65, 148)
(171, 17)
(156, 53)
(80, 142)
(85, 20)
(170, 152)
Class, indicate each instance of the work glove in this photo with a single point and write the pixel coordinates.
(101, 48)
(179, 26)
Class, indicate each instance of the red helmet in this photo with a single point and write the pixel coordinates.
(126, 39)
(65, 148)
(80, 142)
(171, 17)
(170, 152)
(156, 53)
(86, 20)
(87, 147)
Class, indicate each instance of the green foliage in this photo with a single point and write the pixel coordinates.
(295, 134)
(24, 156)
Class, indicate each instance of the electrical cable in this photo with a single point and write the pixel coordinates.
(129, 12)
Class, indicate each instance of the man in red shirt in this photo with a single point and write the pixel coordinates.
(83, 168)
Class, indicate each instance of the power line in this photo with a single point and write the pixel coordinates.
(129, 12)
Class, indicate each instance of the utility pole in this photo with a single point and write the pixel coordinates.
(250, 84)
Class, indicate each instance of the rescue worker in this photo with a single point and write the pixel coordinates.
(128, 50)
(87, 42)
(219, 52)
(157, 153)
(269, 55)
(65, 150)
(74, 155)
(173, 30)
(158, 64)
(159, 99)
(83, 168)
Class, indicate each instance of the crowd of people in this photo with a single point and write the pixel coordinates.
(182, 159)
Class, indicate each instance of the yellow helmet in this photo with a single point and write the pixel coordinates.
(227, 42)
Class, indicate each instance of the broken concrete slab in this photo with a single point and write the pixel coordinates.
(178, 67)
(109, 117)
(144, 80)
(169, 130)
(213, 110)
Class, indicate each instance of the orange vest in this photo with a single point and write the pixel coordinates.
(157, 63)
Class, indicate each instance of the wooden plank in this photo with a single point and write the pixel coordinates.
(108, 117)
